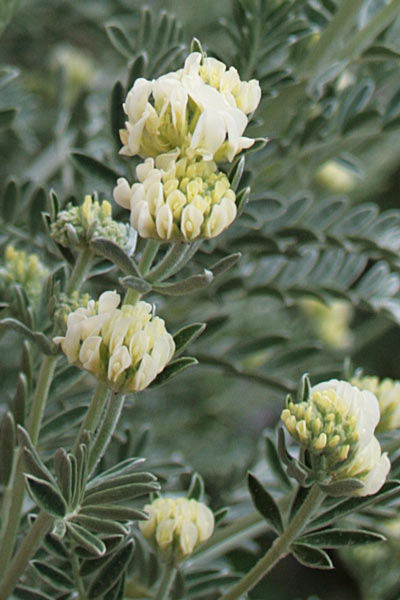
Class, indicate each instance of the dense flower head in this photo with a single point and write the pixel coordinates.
(23, 269)
(201, 109)
(177, 526)
(330, 321)
(337, 423)
(126, 347)
(388, 393)
(178, 199)
(77, 225)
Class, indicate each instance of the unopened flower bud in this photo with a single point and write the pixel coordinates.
(23, 269)
(340, 434)
(77, 225)
(177, 526)
(126, 347)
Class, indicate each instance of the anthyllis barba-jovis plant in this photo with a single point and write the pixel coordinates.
(80, 516)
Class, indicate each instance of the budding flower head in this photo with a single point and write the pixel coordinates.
(178, 199)
(177, 526)
(125, 347)
(388, 393)
(336, 425)
(201, 108)
(77, 225)
(23, 269)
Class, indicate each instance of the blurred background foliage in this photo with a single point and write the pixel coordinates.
(315, 228)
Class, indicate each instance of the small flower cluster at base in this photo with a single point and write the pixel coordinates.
(330, 321)
(77, 225)
(202, 108)
(178, 199)
(388, 393)
(336, 425)
(67, 304)
(177, 526)
(25, 270)
(125, 347)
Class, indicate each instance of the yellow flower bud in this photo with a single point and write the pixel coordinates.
(25, 270)
(177, 526)
(388, 393)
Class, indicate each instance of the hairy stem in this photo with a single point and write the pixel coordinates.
(77, 578)
(280, 547)
(93, 415)
(107, 428)
(80, 270)
(176, 258)
(28, 547)
(166, 583)
(149, 254)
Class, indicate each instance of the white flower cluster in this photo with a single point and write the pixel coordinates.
(125, 347)
(177, 526)
(201, 108)
(388, 393)
(178, 199)
(337, 423)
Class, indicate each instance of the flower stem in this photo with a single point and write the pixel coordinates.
(93, 415)
(149, 254)
(77, 578)
(176, 257)
(80, 270)
(280, 546)
(107, 427)
(11, 523)
(28, 547)
(167, 581)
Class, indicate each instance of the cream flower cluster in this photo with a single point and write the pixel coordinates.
(23, 269)
(388, 393)
(178, 199)
(337, 423)
(201, 109)
(79, 224)
(125, 347)
(177, 526)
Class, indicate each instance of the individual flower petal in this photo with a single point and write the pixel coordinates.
(118, 362)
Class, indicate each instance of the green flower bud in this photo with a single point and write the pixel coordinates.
(388, 393)
(77, 225)
(177, 526)
(336, 425)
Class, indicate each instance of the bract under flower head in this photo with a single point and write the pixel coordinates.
(388, 393)
(125, 347)
(337, 424)
(177, 526)
(200, 109)
(178, 199)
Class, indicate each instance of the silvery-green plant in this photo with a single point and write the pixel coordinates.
(249, 226)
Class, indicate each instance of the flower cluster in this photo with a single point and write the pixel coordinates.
(177, 526)
(336, 424)
(77, 225)
(201, 109)
(330, 321)
(388, 393)
(126, 347)
(178, 199)
(25, 270)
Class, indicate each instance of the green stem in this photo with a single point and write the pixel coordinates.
(28, 548)
(167, 580)
(93, 415)
(280, 547)
(176, 257)
(107, 427)
(11, 523)
(149, 254)
(80, 270)
(77, 578)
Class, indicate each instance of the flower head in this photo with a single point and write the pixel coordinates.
(77, 225)
(25, 270)
(330, 321)
(178, 199)
(177, 526)
(336, 424)
(201, 109)
(126, 347)
(388, 393)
